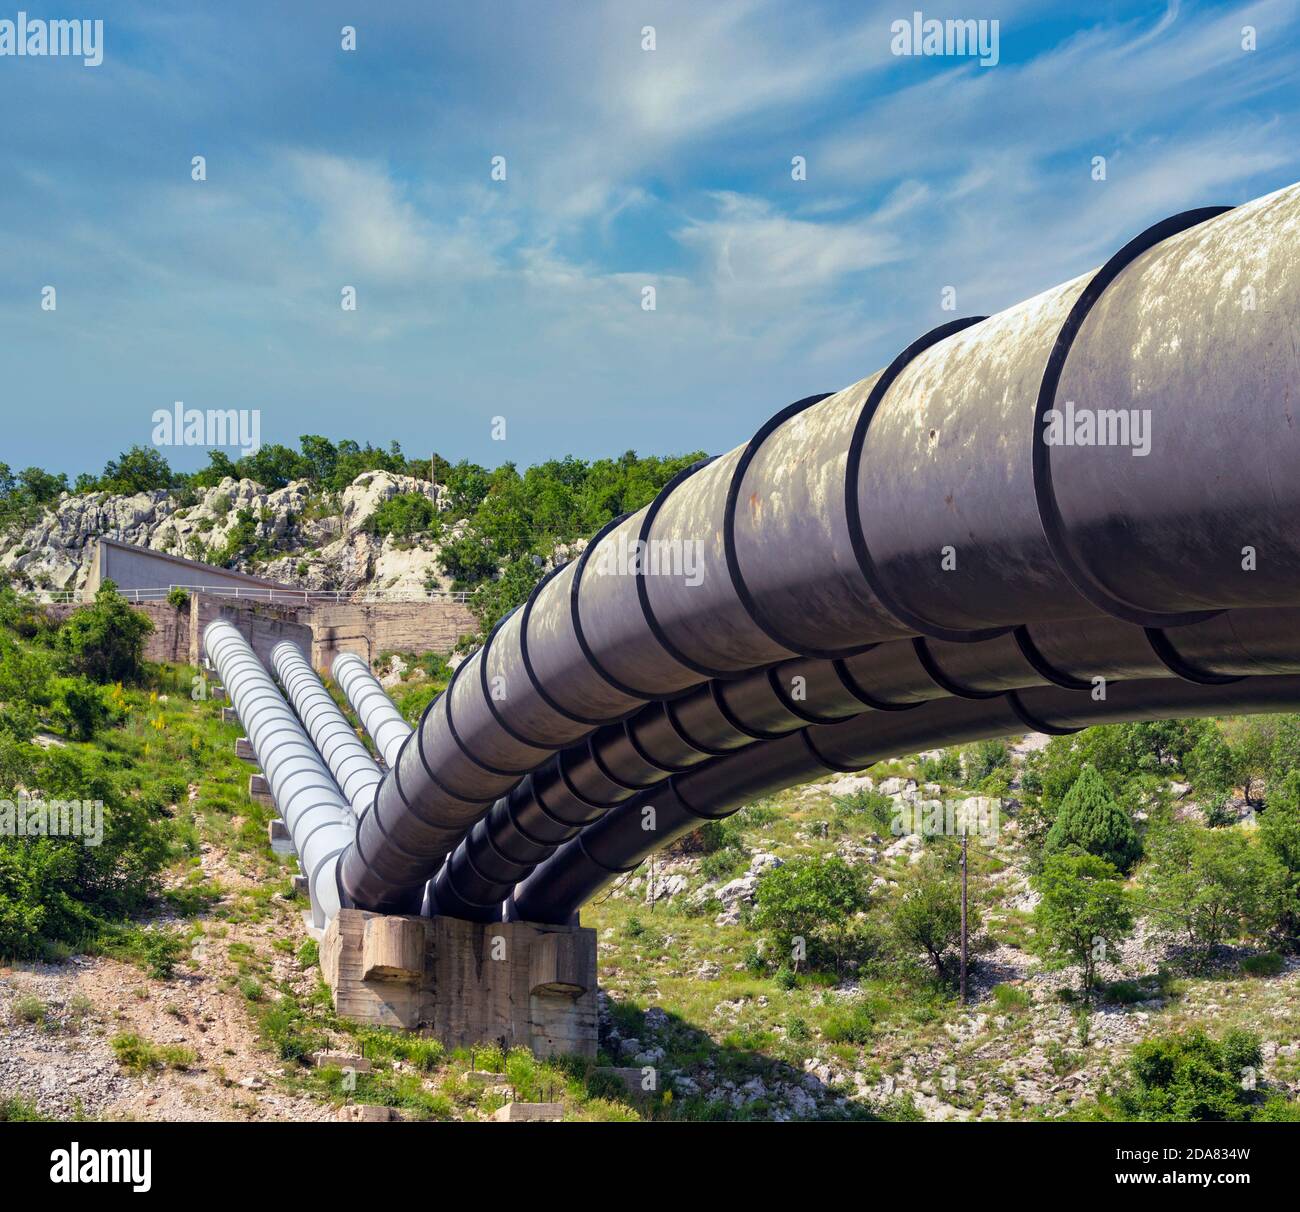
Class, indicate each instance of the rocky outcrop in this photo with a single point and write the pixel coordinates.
(294, 534)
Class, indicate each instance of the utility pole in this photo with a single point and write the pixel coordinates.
(963, 916)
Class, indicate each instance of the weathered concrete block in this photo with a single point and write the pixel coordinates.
(216, 693)
(529, 1113)
(244, 749)
(558, 965)
(369, 1115)
(229, 715)
(392, 949)
(259, 790)
(515, 983)
(278, 831)
(341, 1060)
(300, 885)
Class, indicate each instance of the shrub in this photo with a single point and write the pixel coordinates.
(810, 898)
(985, 758)
(405, 515)
(105, 641)
(20, 1111)
(1191, 1077)
(1268, 964)
(138, 1055)
(1124, 993)
(854, 1024)
(1216, 883)
(1091, 819)
(82, 703)
(1082, 900)
(1011, 998)
(946, 768)
(926, 917)
(161, 951)
(1279, 835)
(876, 809)
(178, 597)
(56, 890)
(29, 1009)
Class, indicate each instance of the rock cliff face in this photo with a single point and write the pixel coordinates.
(294, 534)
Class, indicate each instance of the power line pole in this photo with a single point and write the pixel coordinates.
(963, 917)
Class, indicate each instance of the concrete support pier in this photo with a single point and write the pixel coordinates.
(466, 983)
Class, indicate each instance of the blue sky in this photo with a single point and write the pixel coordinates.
(625, 168)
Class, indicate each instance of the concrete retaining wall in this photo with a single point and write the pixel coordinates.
(320, 631)
(374, 627)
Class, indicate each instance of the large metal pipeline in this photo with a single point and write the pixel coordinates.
(317, 816)
(929, 499)
(580, 784)
(621, 840)
(377, 712)
(348, 759)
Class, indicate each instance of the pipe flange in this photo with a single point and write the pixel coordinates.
(853, 507)
(1054, 530)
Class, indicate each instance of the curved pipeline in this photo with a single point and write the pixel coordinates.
(622, 840)
(378, 714)
(579, 785)
(912, 503)
(317, 816)
(349, 761)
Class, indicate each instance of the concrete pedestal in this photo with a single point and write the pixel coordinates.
(464, 983)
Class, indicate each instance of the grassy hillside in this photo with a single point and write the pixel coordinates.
(797, 960)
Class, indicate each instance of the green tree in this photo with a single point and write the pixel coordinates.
(81, 702)
(405, 515)
(105, 641)
(1091, 819)
(494, 599)
(1211, 765)
(1082, 910)
(926, 916)
(1279, 835)
(140, 469)
(220, 466)
(1212, 884)
(272, 466)
(321, 457)
(810, 898)
(25, 687)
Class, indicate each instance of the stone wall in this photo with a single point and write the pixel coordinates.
(261, 624)
(170, 640)
(370, 628)
(321, 630)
